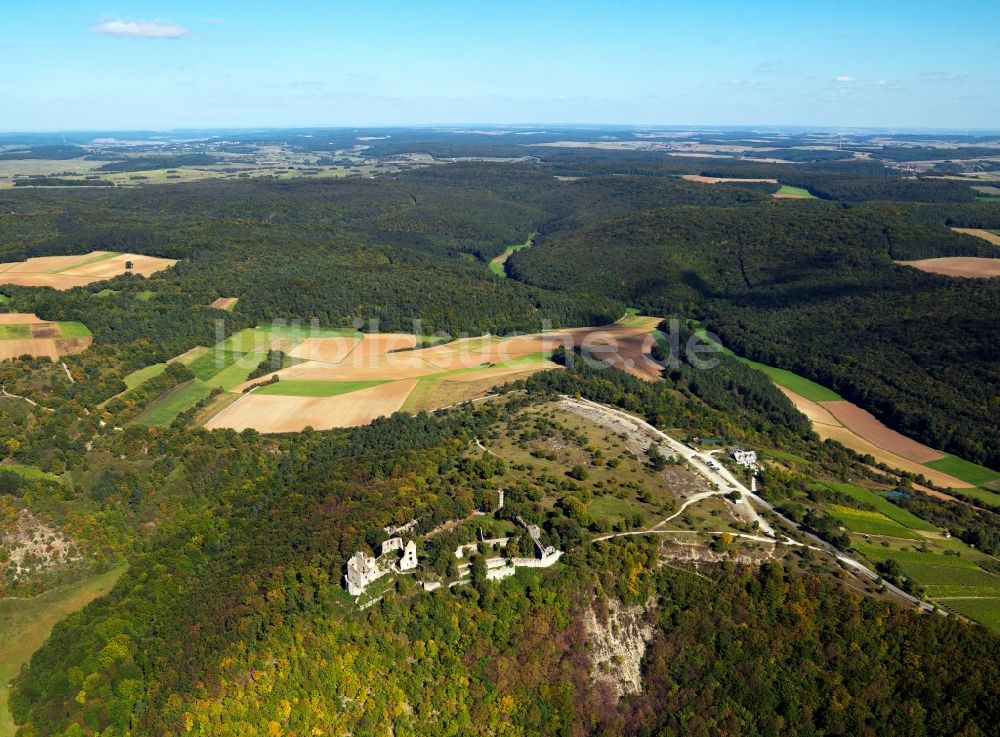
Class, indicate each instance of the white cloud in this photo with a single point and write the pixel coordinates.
(943, 77)
(845, 78)
(142, 28)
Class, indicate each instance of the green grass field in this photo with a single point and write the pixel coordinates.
(610, 509)
(984, 611)
(783, 455)
(136, 378)
(4, 299)
(74, 330)
(869, 523)
(211, 362)
(945, 577)
(882, 505)
(26, 623)
(166, 408)
(145, 296)
(798, 384)
(796, 192)
(15, 332)
(964, 470)
(28, 472)
(234, 375)
(497, 264)
(877, 553)
(295, 388)
(418, 398)
(983, 495)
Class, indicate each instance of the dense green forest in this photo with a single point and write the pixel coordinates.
(812, 288)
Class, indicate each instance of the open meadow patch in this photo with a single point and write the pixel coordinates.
(788, 192)
(165, 409)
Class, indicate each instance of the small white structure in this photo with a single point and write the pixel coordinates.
(746, 458)
(361, 571)
(409, 560)
(499, 501)
(393, 543)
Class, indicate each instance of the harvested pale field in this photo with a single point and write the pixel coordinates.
(376, 344)
(327, 350)
(48, 264)
(499, 374)
(717, 180)
(966, 267)
(271, 413)
(66, 272)
(109, 267)
(858, 444)
(224, 303)
(61, 282)
(18, 318)
(190, 355)
(866, 425)
(32, 347)
(980, 233)
(809, 408)
(376, 372)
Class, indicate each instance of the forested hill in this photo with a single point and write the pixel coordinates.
(813, 288)
(236, 623)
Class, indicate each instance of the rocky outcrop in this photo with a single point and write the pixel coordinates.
(618, 636)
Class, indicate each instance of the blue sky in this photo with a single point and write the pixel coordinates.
(81, 64)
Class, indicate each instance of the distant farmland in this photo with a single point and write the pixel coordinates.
(66, 272)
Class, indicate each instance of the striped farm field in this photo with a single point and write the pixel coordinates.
(293, 388)
(882, 505)
(866, 522)
(345, 378)
(986, 611)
